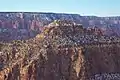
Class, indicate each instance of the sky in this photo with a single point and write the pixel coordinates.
(82, 7)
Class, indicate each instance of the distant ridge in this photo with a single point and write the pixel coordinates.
(29, 24)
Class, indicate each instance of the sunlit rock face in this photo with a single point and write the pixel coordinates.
(62, 51)
(25, 25)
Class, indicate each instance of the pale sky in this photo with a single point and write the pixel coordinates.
(82, 7)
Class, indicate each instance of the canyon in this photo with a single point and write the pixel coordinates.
(25, 25)
(63, 50)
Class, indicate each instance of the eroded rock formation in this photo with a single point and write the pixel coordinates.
(56, 54)
(25, 25)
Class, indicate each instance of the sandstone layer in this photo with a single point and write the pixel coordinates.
(56, 54)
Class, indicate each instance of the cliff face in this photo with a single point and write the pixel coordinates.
(68, 63)
(24, 25)
(103, 59)
(48, 64)
(56, 55)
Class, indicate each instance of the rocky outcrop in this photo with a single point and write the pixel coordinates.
(56, 54)
(66, 64)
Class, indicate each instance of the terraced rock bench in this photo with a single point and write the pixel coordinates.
(106, 76)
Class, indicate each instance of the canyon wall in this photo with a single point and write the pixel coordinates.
(63, 51)
(65, 63)
(25, 25)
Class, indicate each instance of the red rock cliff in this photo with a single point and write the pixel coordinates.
(54, 55)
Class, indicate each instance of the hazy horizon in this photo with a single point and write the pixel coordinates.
(101, 8)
